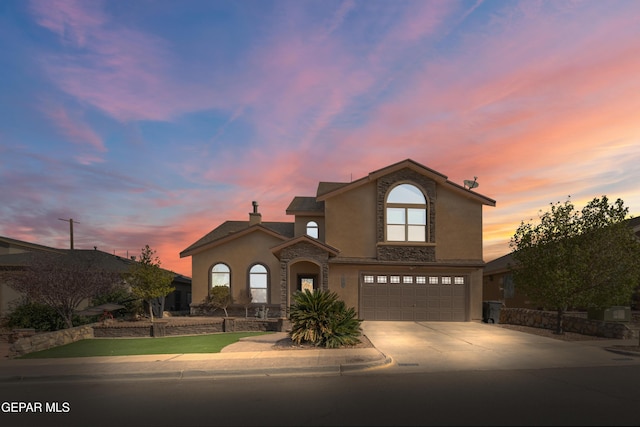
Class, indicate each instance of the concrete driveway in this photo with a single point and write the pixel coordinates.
(460, 346)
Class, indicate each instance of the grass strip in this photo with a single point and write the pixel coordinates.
(210, 343)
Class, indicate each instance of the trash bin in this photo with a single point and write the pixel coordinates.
(491, 311)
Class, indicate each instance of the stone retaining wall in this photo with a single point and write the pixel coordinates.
(27, 341)
(44, 341)
(161, 328)
(573, 322)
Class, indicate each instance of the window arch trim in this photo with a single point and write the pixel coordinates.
(312, 229)
(406, 214)
(221, 277)
(259, 285)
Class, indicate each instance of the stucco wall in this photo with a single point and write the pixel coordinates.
(239, 254)
(300, 226)
(344, 281)
(350, 220)
(8, 297)
(458, 227)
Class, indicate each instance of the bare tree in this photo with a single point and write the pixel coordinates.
(62, 281)
(244, 299)
(219, 297)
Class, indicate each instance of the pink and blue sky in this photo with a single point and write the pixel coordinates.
(152, 122)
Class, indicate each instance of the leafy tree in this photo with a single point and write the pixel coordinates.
(219, 297)
(148, 281)
(577, 259)
(62, 281)
(320, 318)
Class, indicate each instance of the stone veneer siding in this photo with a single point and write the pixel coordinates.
(303, 251)
(403, 252)
(571, 323)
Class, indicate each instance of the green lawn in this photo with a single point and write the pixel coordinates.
(212, 343)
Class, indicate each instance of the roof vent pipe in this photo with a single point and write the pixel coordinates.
(255, 206)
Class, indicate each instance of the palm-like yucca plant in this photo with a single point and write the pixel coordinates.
(321, 319)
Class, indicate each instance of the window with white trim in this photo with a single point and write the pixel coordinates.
(406, 214)
(312, 229)
(258, 283)
(220, 275)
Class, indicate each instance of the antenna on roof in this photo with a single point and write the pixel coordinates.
(468, 184)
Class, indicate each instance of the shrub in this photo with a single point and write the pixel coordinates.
(35, 315)
(321, 319)
(119, 294)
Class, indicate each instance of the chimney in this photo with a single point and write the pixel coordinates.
(255, 217)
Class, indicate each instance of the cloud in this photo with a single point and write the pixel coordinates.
(539, 100)
(123, 72)
(75, 130)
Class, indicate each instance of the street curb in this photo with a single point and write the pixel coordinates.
(623, 352)
(196, 374)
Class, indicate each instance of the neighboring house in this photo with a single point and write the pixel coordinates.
(497, 283)
(402, 243)
(15, 254)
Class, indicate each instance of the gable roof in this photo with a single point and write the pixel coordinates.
(305, 205)
(328, 190)
(315, 242)
(94, 257)
(499, 265)
(8, 242)
(230, 230)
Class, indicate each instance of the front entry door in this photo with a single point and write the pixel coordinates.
(307, 282)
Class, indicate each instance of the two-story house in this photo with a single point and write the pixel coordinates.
(402, 243)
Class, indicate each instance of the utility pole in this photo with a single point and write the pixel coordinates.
(70, 221)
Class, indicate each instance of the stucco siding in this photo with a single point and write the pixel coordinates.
(239, 254)
(344, 281)
(458, 227)
(300, 226)
(351, 222)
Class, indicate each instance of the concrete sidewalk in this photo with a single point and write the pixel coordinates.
(249, 357)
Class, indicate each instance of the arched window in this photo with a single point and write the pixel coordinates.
(220, 275)
(312, 229)
(406, 214)
(258, 283)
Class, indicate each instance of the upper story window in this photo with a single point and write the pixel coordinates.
(220, 275)
(258, 283)
(406, 214)
(312, 229)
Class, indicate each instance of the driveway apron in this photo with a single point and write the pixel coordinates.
(459, 346)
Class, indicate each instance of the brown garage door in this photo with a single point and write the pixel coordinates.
(411, 297)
